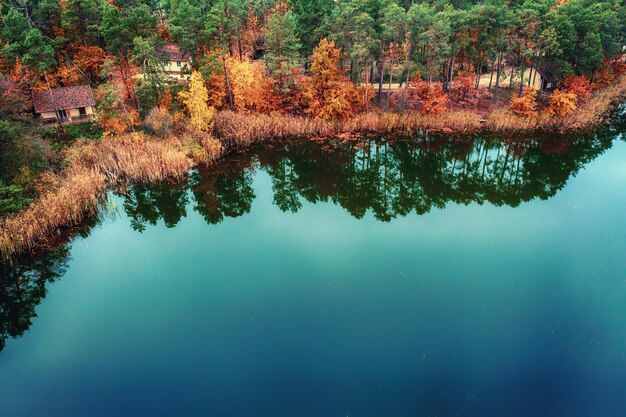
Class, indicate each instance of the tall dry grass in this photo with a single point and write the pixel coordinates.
(92, 166)
(242, 130)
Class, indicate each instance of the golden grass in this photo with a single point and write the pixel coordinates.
(92, 166)
(242, 130)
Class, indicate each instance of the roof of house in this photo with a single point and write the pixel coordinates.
(64, 98)
(173, 52)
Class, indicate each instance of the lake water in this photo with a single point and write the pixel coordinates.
(422, 278)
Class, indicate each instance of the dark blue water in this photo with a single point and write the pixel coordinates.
(440, 280)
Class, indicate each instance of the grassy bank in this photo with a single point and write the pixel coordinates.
(92, 166)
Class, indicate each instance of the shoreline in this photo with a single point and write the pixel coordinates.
(94, 167)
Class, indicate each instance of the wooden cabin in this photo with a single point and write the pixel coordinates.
(64, 104)
(547, 81)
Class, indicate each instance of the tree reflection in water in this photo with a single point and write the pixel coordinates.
(388, 179)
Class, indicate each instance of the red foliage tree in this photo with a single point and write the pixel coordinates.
(463, 94)
(578, 85)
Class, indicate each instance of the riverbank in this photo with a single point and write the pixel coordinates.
(242, 130)
(92, 167)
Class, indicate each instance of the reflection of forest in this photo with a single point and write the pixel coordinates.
(389, 179)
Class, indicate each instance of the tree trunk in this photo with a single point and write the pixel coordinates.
(479, 72)
(512, 74)
(390, 81)
(499, 68)
(493, 65)
(381, 65)
(521, 80)
(366, 101)
(53, 101)
(229, 91)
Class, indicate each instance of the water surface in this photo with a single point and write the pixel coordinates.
(424, 278)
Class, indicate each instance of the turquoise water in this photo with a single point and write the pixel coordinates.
(439, 279)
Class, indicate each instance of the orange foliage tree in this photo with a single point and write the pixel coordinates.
(90, 60)
(526, 105)
(65, 75)
(562, 103)
(328, 93)
(14, 93)
(249, 86)
(432, 100)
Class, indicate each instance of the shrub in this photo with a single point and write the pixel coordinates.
(562, 103)
(159, 121)
(12, 198)
(526, 105)
(435, 101)
(463, 94)
(579, 85)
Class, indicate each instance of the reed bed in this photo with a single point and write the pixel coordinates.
(92, 166)
(242, 130)
(77, 196)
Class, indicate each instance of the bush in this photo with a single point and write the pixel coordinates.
(562, 103)
(579, 85)
(12, 198)
(463, 94)
(159, 121)
(526, 105)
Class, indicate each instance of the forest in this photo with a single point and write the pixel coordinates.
(324, 58)
(170, 84)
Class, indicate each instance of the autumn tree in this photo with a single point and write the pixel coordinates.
(463, 92)
(562, 103)
(526, 105)
(195, 99)
(579, 85)
(328, 92)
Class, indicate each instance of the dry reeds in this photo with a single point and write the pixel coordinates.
(91, 167)
(242, 130)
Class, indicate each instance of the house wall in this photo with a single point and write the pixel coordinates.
(172, 66)
(72, 113)
(48, 115)
(76, 113)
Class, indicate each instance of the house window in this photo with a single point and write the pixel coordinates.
(62, 114)
(82, 111)
(178, 64)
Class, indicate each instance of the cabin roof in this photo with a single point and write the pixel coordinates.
(64, 98)
(172, 52)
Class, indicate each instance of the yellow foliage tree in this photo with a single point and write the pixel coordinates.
(196, 102)
(247, 83)
(562, 103)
